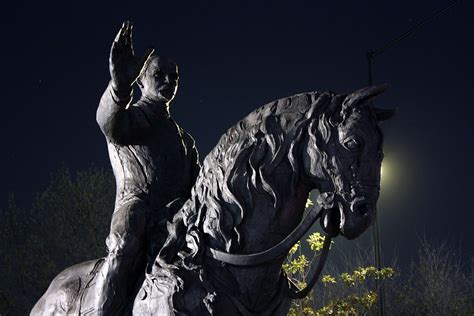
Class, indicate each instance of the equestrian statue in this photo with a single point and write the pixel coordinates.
(215, 241)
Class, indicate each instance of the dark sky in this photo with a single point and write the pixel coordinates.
(236, 56)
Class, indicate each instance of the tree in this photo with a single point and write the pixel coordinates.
(437, 283)
(66, 224)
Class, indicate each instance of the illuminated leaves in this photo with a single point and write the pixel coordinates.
(350, 305)
(315, 241)
(340, 301)
(327, 279)
(298, 264)
(294, 249)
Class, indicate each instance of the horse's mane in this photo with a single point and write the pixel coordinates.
(240, 166)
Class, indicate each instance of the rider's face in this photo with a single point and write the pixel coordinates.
(160, 80)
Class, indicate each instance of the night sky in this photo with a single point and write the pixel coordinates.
(236, 56)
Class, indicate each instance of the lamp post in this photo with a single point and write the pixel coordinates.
(370, 55)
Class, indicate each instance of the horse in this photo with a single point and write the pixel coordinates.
(228, 241)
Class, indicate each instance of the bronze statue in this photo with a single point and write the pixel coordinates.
(229, 235)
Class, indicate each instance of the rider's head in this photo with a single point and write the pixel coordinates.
(159, 81)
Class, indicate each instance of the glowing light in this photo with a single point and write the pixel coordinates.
(385, 173)
(388, 174)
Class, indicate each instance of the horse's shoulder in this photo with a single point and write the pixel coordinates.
(63, 291)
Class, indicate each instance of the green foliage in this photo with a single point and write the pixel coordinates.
(354, 299)
(66, 224)
(438, 283)
(347, 293)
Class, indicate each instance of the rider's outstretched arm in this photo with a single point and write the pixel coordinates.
(115, 116)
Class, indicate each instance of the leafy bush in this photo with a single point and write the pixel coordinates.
(66, 224)
(344, 294)
(437, 283)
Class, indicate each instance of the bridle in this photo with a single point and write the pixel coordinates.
(278, 251)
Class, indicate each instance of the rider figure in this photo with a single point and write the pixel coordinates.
(154, 162)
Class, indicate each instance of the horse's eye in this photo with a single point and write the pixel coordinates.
(352, 144)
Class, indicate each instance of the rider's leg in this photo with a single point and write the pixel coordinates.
(126, 259)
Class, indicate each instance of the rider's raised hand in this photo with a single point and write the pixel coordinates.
(124, 66)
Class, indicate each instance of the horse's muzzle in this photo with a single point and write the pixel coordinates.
(356, 219)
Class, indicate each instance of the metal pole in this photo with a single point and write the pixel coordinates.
(375, 230)
(370, 55)
(370, 58)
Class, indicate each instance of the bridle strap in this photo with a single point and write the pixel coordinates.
(272, 253)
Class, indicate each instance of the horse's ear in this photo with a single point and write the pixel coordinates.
(334, 109)
(383, 114)
(363, 96)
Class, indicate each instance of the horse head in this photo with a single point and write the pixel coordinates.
(347, 160)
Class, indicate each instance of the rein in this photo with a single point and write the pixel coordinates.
(279, 250)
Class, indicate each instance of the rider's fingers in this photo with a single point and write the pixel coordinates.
(129, 30)
(129, 35)
(125, 33)
(121, 32)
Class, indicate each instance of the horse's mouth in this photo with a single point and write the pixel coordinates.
(351, 221)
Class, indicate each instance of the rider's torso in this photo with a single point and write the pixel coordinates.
(155, 167)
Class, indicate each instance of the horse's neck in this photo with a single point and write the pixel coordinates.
(262, 228)
(265, 226)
